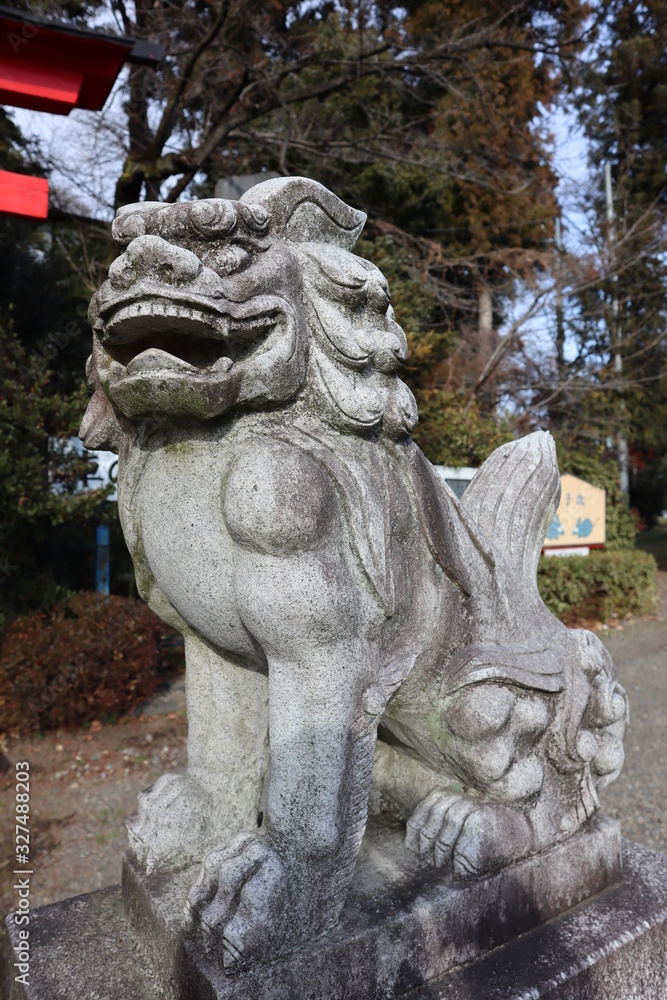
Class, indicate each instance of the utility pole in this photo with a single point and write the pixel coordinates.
(560, 322)
(616, 334)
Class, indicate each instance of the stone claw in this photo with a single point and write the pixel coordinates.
(238, 905)
(473, 836)
(435, 824)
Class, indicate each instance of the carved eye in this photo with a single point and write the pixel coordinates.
(353, 299)
(212, 216)
(226, 259)
(255, 217)
(127, 227)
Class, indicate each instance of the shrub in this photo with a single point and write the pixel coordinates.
(47, 527)
(450, 432)
(85, 658)
(600, 586)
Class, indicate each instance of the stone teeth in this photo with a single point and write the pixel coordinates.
(255, 323)
(150, 307)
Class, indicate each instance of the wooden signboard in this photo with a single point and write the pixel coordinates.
(580, 518)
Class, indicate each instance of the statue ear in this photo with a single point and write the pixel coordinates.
(304, 211)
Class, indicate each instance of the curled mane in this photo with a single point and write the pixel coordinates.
(356, 346)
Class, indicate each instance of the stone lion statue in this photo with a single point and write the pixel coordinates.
(347, 621)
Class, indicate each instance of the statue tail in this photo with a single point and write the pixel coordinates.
(513, 499)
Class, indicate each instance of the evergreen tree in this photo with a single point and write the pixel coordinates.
(43, 550)
(47, 522)
(427, 116)
(623, 107)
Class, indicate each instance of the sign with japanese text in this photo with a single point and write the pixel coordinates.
(580, 518)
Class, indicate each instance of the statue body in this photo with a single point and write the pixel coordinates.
(329, 587)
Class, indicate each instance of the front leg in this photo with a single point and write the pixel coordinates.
(271, 889)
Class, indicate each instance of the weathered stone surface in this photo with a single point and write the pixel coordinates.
(329, 587)
(83, 949)
(612, 947)
(403, 922)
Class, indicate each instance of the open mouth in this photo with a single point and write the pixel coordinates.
(148, 315)
(152, 333)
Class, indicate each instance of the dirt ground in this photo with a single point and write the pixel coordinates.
(84, 783)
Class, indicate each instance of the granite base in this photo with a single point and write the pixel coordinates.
(409, 942)
(403, 923)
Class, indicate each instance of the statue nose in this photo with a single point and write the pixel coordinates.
(152, 258)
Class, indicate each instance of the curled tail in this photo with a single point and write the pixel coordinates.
(513, 499)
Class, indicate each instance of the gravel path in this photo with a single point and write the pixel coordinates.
(84, 785)
(638, 798)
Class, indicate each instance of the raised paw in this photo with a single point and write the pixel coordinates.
(471, 836)
(171, 826)
(239, 907)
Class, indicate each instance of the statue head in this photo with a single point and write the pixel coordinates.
(215, 307)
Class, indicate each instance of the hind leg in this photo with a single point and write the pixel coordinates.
(530, 764)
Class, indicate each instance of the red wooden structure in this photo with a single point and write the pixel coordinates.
(53, 67)
(21, 194)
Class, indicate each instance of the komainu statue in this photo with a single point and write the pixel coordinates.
(347, 620)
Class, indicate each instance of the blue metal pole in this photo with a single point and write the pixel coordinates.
(102, 559)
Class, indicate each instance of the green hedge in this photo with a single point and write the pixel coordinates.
(602, 585)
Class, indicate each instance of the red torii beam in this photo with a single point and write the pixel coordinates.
(52, 67)
(21, 194)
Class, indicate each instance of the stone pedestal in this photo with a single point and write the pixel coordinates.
(404, 922)
(613, 947)
(405, 928)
